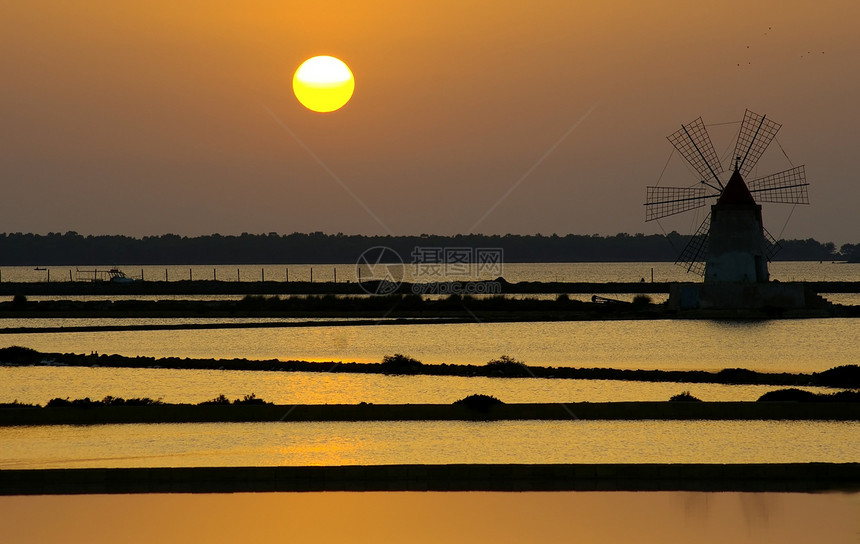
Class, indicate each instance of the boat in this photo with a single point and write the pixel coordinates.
(114, 275)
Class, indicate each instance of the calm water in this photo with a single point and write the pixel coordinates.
(512, 272)
(776, 346)
(41, 322)
(806, 345)
(37, 385)
(433, 442)
(430, 518)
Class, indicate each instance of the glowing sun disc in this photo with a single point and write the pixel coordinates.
(323, 84)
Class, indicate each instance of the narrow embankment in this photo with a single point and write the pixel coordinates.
(781, 477)
(846, 376)
(185, 413)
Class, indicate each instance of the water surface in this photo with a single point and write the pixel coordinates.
(501, 518)
(39, 384)
(428, 442)
(803, 345)
(512, 272)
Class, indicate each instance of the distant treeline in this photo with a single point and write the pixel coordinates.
(72, 248)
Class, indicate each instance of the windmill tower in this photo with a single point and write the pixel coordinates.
(731, 247)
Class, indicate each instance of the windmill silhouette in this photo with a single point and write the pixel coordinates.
(731, 245)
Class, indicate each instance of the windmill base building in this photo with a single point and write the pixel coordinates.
(737, 247)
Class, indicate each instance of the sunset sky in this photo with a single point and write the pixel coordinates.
(145, 118)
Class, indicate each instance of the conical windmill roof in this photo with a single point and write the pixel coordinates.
(736, 191)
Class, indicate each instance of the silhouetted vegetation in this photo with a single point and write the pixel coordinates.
(220, 399)
(738, 376)
(244, 401)
(389, 305)
(72, 248)
(850, 252)
(807, 250)
(686, 396)
(847, 376)
(799, 395)
(641, 300)
(19, 355)
(400, 364)
(250, 399)
(16, 404)
(507, 366)
(107, 401)
(144, 401)
(478, 402)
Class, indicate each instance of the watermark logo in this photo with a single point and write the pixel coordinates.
(379, 270)
(452, 263)
(457, 288)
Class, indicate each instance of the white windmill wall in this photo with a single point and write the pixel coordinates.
(736, 245)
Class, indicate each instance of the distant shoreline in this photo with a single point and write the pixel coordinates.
(71, 248)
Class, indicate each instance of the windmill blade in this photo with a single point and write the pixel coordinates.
(693, 256)
(757, 131)
(787, 187)
(694, 144)
(665, 201)
(771, 245)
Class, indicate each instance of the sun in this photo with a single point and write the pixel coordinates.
(323, 84)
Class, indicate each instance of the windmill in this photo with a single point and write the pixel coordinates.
(731, 245)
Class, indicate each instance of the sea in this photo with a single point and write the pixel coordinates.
(798, 346)
(803, 345)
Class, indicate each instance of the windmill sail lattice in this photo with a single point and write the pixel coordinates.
(788, 187)
(692, 257)
(772, 246)
(668, 201)
(694, 143)
(757, 131)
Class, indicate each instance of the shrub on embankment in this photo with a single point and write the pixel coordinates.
(478, 402)
(222, 399)
(400, 364)
(686, 396)
(508, 367)
(847, 376)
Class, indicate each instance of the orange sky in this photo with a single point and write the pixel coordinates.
(151, 117)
